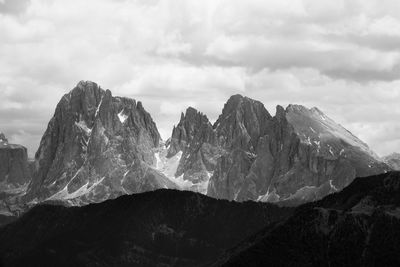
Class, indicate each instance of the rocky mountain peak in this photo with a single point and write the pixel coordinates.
(280, 113)
(96, 146)
(300, 154)
(192, 125)
(296, 108)
(192, 152)
(85, 85)
(191, 111)
(314, 127)
(242, 122)
(3, 138)
(241, 104)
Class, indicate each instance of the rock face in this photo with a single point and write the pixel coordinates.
(358, 226)
(242, 122)
(14, 170)
(296, 156)
(393, 160)
(15, 175)
(159, 228)
(194, 144)
(96, 147)
(240, 129)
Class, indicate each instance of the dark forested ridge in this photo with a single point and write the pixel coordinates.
(159, 228)
(359, 226)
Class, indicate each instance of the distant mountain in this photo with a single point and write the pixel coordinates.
(393, 160)
(15, 176)
(159, 228)
(14, 169)
(298, 155)
(359, 226)
(96, 147)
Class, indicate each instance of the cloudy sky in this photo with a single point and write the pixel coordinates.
(342, 56)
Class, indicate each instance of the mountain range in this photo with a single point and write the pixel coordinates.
(98, 147)
(250, 189)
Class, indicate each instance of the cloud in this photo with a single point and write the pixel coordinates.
(13, 6)
(342, 56)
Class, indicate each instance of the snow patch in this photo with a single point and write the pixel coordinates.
(308, 141)
(83, 126)
(269, 196)
(169, 166)
(330, 150)
(98, 107)
(305, 193)
(332, 186)
(122, 117)
(83, 190)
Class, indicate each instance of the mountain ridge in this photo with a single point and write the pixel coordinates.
(99, 146)
(246, 134)
(358, 226)
(168, 227)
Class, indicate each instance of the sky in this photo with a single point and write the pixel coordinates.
(342, 56)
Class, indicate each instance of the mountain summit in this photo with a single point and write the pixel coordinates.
(298, 155)
(96, 147)
(242, 122)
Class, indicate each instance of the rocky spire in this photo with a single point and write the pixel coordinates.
(242, 122)
(193, 125)
(94, 148)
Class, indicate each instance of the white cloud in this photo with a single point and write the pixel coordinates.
(342, 56)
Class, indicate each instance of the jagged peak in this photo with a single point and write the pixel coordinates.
(191, 110)
(235, 97)
(303, 109)
(191, 114)
(3, 137)
(86, 88)
(86, 84)
(238, 100)
(280, 112)
(296, 108)
(310, 112)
